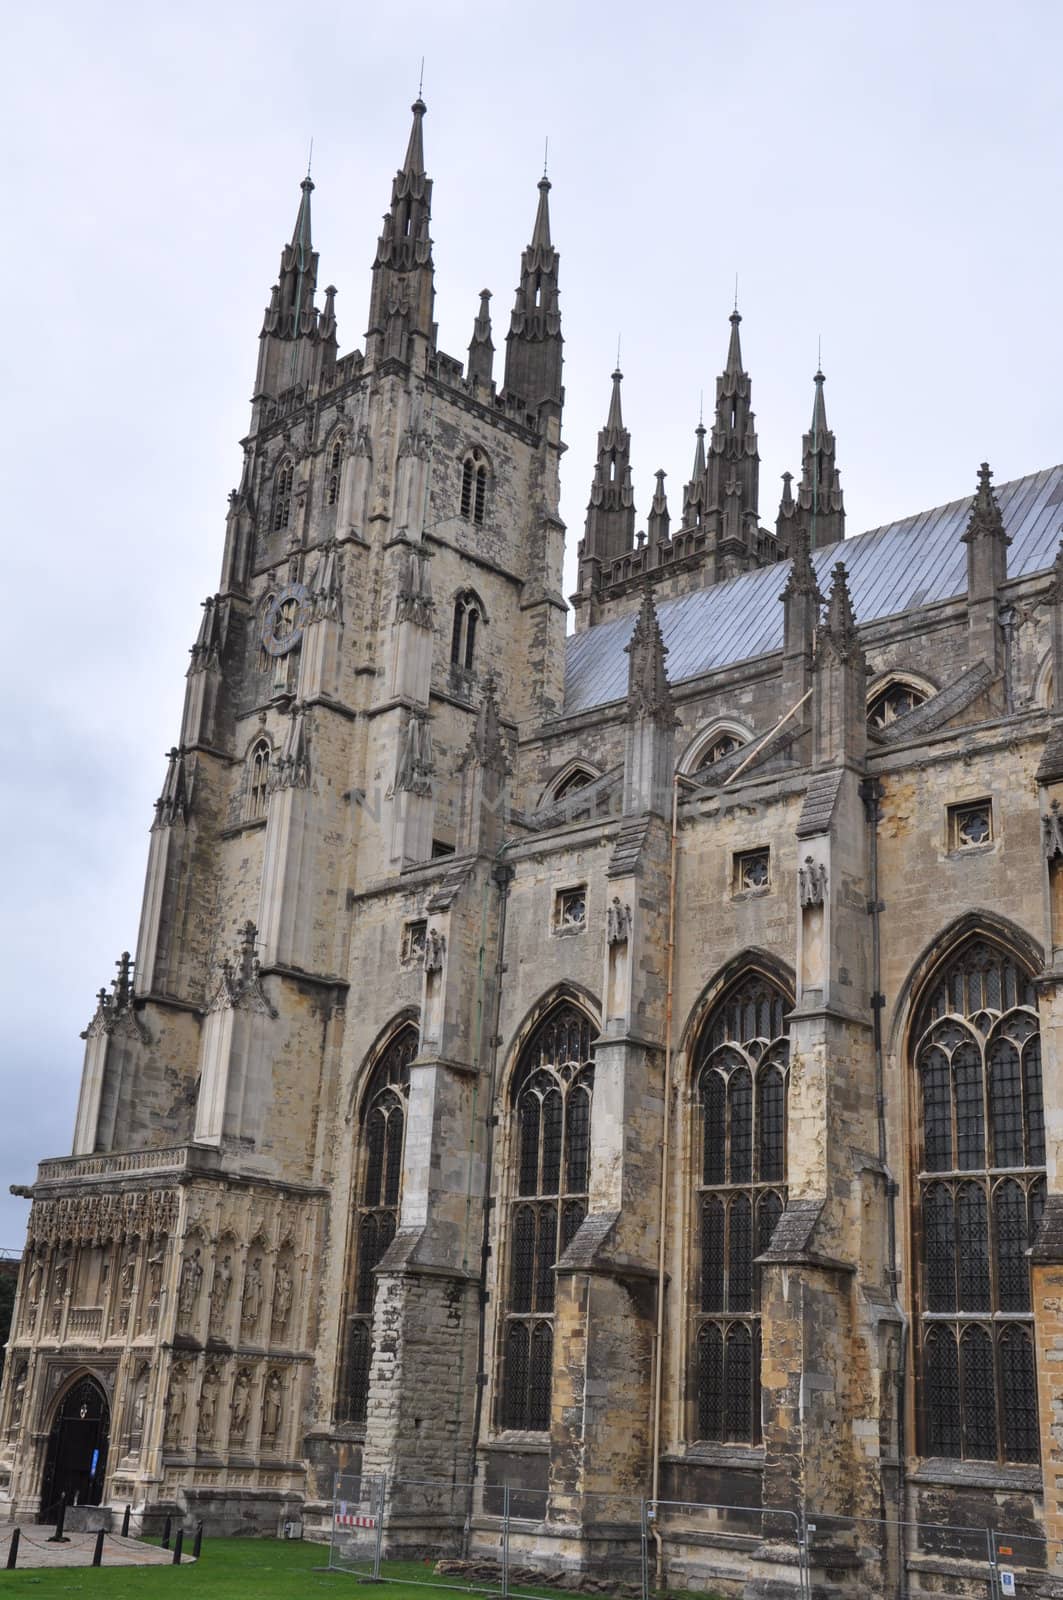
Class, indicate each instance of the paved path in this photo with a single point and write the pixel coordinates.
(35, 1550)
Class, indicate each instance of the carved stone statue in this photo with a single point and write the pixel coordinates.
(208, 1406)
(33, 1283)
(220, 1294)
(18, 1394)
(272, 1405)
(189, 1286)
(282, 1300)
(618, 922)
(251, 1309)
(127, 1275)
(240, 1410)
(60, 1279)
(176, 1403)
(137, 1402)
(812, 882)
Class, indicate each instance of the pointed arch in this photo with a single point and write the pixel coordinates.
(335, 454)
(737, 1040)
(575, 774)
(972, 1049)
(378, 1114)
(893, 694)
(257, 767)
(281, 497)
(720, 738)
(475, 481)
(976, 922)
(547, 1092)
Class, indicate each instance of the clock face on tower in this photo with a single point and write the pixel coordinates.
(282, 627)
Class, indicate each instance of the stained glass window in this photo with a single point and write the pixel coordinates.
(378, 1190)
(978, 1063)
(551, 1103)
(741, 1076)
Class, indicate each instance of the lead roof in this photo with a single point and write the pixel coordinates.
(917, 561)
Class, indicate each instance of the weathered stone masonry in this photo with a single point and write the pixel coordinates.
(453, 927)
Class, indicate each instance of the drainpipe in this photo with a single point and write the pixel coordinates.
(871, 794)
(658, 1347)
(502, 875)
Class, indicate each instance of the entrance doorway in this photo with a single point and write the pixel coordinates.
(77, 1450)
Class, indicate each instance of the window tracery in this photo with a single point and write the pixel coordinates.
(741, 1082)
(551, 1122)
(257, 781)
(468, 615)
(376, 1211)
(474, 488)
(981, 1185)
(894, 699)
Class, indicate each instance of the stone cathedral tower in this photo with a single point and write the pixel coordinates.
(605, 1066)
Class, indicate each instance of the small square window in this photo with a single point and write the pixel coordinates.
(971, 825)
(414, 935)
(751, 871)
(570, 909)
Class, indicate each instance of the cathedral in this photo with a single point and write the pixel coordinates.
(610, 1063)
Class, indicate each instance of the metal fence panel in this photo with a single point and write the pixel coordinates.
(357, 1524)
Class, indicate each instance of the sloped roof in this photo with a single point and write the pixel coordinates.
(910, 563)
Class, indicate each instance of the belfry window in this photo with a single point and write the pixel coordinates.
(281, 508)
(375, 1214)
(474, 488)
(741, 1081)
(980, 1194)
(257, 782)
(551, 1126)
(335, 471)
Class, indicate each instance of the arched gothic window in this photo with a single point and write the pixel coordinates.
(551, 1129)
(468, 614)
(335, 470)
(257, 781)
(375, 1213)
(578, 778)
(980, 1194)
(893, 699)
(474, 488)
(741, 1081)
(281, 508)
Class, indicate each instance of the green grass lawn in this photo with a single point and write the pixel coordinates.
(230, 1569)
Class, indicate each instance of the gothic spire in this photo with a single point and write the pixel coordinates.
(533, 343)
(733, 467)
(657, 524)
(694, 493)
(838, 635)
(481, 349)
(820, 504)
(403, 294)
(610, 530)
(291, 313)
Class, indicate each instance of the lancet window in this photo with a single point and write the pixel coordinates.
(335, 470)
(281, 507)
(257, 781)
(550, 1141)
(468, 615)
(980, 1194)
(474, 489)
(375, 1213)
(741, 1082)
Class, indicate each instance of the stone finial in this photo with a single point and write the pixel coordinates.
(648, 693)
(481, 346)
(985, 520)
(802, 579)
(123, 983)
(837, 636)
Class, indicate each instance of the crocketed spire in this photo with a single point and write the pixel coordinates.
(610, 529)
(481, 347)
(820, 504)
(403, 295)
(648, 694)
(533, 343)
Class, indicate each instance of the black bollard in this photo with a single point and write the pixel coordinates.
(97, 1554)
(57, 1536)
(12, 1550)
(197, 1543)
(178, 1545)
(125, 1522)
(166, 1534)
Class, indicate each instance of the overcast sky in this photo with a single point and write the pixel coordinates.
(885, 176)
